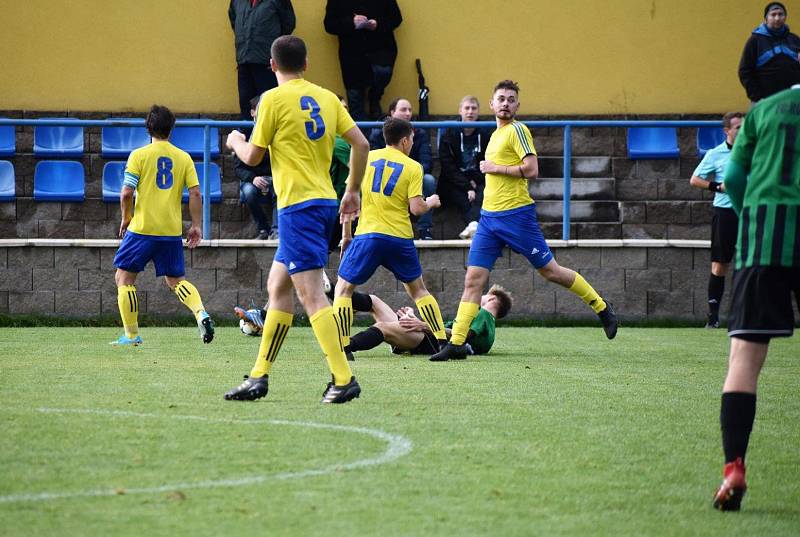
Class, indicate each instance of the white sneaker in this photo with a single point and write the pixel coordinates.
(326, 282)
(469, 231)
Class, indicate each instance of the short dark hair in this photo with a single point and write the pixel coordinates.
(727, 118)
(289, 53)
(504, 298)
(394, 103)
(160, 121)
(506, 84)
(395, 129)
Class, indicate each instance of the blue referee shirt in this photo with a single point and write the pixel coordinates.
(715, 161)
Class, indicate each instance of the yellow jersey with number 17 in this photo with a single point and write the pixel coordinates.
(298, 121)
(391, 179)
(158, 172)
(507, 147)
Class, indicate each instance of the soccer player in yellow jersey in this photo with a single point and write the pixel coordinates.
(157, 172)
(392, 187)
(298, 121)
(508, 218)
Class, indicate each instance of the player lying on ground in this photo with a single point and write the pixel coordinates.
(409, 335)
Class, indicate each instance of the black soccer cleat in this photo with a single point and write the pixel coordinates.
(609, 319)
(206, 327)
(452, 352)
(349, 354)
(713, 321)
(251, 389)
(341, 394)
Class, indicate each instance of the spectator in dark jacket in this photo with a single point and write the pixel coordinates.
(421, 152)
(256, 24)
(255, 189)
(461, 182)
(770, 61)
(367, 49)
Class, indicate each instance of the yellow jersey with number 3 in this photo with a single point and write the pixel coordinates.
(507, 147)
(158, 172)
(298, 121)
(391, 179)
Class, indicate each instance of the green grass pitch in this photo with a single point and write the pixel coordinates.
(557, 432)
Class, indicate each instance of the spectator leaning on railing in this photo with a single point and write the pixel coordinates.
(421, 152)
(461, 182)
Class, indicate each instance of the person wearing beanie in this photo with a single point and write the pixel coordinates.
(770, 61)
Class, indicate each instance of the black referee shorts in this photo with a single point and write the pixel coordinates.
(724, 229)
(761, 303)
(429, 345)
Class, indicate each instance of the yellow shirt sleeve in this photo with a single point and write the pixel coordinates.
(522, 141)
(264, 129)
(133, 170)
(191, 175)
(415, 181)
(344, 122)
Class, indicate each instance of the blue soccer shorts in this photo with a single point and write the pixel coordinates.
(304, 236)
(135, 251)
(517, 229)
(369, 251)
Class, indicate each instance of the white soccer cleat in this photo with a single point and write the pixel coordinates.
(469, 231)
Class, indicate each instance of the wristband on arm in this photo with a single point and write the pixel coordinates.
(714, 186)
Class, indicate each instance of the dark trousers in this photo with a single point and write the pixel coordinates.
(381, 76)
(470, 211)
(254, 79)
(254, 198)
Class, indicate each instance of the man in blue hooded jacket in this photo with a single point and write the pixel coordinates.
(770, 61)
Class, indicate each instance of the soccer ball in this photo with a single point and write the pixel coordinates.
(249, 329)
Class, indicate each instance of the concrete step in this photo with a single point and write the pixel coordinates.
(581, 189)
(581, 167)
(579, 211)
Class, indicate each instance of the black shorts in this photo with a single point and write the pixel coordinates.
(724, 228)
(429, 345)
(761, 303)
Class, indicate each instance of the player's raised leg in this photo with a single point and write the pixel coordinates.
(576, 284)
(128, 303)
(474, 282)
(276, 325)
(190, 297)
(428, 308)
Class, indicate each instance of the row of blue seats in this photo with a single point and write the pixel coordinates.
(63, 180)
(116, 142)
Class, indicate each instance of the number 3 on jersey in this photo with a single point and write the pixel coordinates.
(164, 173)
(315, 128)
(377, 178)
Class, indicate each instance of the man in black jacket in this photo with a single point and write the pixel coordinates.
(255, 189)
(367, 49)
(256, 24)
(460, 153)
(770, 61)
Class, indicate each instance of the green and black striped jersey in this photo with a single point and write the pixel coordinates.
(768, 148)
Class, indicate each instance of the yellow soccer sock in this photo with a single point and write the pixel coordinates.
(587, 293)
(464, 317)
(128, 304)
(326, 330)
(431, 314)
(276, 325)
(343, 310)
(188, 295)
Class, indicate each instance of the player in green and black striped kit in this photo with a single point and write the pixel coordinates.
(763, 182)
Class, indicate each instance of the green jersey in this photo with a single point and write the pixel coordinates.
(481, 332)
(767, 148)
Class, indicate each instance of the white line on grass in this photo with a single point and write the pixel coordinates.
(397, 446)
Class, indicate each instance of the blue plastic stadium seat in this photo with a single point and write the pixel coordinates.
(7, 189)
(118, 142)
(652, 143)
(708, 138)
(8, 142)
(112, 180)
(58, 141)
(190, 139)
(216, 184)
(58, 180)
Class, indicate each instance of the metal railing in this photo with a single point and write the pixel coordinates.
(207, 124)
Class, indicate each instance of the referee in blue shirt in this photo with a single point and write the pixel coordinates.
(724, 223)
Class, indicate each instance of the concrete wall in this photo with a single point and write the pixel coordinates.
(643, 282)
(573, 57)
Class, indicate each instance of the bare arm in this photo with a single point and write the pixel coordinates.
(698, 182)
(351, 200)
(125, 206)
(194, 234)
(250, 154)
(418, 206)
(529, 168)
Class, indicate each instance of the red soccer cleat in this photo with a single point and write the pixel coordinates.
(730, 493)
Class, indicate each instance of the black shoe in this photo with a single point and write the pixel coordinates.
(206, 327)
(425, 235)
(349, 354)
(609, 319)
(251, 389)
(713, 321)
(452, 352)
(341, 394)
(263, 235)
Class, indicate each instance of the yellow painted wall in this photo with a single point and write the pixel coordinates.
(570, 57)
